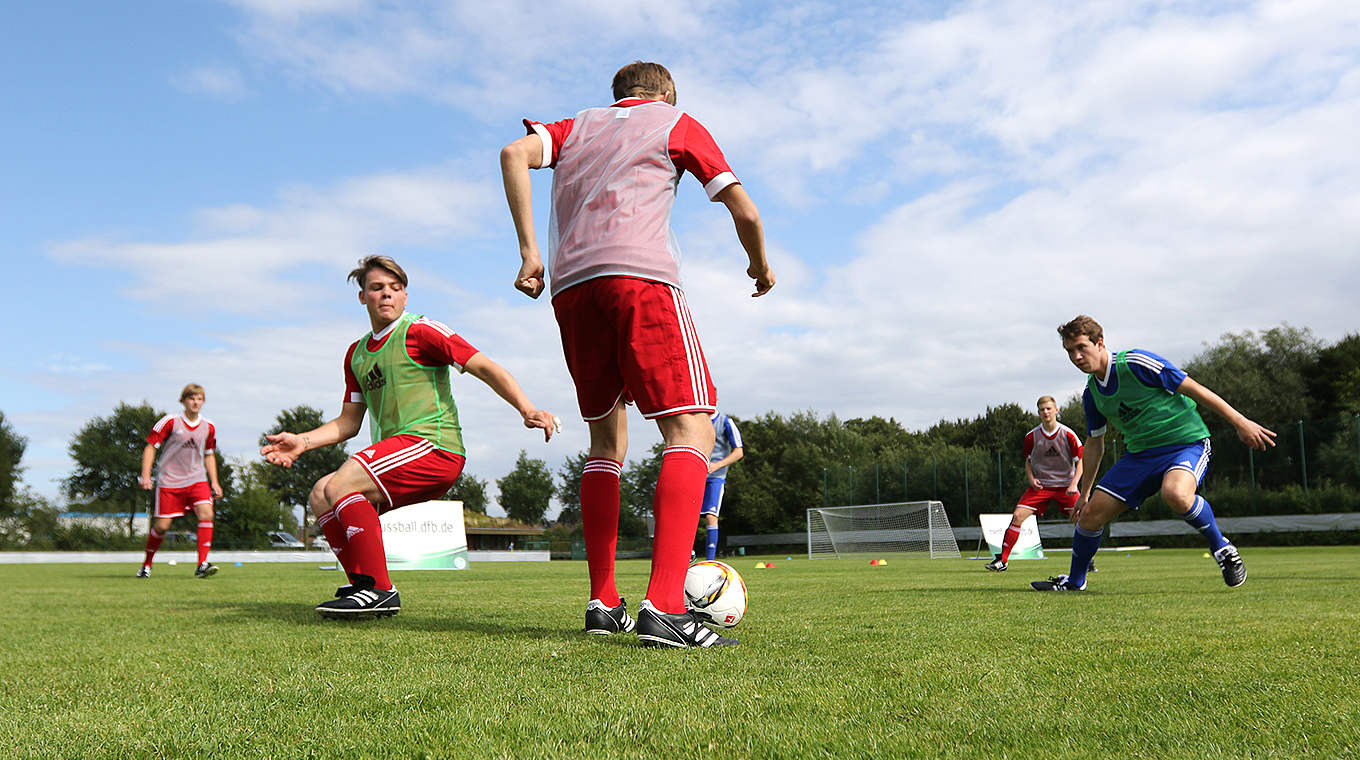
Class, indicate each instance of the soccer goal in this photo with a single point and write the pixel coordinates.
(915, 526)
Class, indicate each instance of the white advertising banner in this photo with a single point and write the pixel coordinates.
(1027, 546)
(425, 536)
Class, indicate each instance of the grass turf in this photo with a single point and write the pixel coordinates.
(919, 658)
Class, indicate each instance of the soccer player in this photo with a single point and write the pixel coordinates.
(1052, 468)
(399, 373)
(626, 330)
(727, 450)
(1154, 405)
(187, 469)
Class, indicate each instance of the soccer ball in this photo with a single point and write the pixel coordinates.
(715, 591)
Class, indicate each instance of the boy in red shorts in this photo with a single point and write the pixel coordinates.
(399, 373)
(186, 471)
(1053, 469)
(626, 331)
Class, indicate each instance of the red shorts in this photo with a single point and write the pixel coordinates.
(409, 469)
(174, 502)
(1037, 499)
(633, 340)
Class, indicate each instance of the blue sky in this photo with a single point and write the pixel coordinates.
(185, 186)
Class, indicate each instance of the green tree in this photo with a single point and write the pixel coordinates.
(569, 488)
(291, 485)
(249, 509)
(108, 460)
(471, 490)
(526, 490)
(637, 488)
(1260, 374)
(1334, 379)
(12, 447)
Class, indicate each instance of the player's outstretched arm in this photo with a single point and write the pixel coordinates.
(503, 383)
(751, 233)
(284, 448)
(1250, 433)
(517, 159)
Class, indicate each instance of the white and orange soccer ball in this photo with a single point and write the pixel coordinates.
(716, 591)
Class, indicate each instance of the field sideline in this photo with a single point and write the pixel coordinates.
(921, 658)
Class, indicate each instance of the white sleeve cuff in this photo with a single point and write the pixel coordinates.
(1097, 432)
(356, 397)
(543, 135)
(720, 183)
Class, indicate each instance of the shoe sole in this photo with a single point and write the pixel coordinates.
(648, 640)
(995, 569)
(606, 632)
(208, 574)
(353, 614)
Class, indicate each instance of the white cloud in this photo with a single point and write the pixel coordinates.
(218, 81)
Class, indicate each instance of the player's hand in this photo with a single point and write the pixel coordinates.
(529, 281)
(217, 490)
(283, 449)
(712, 467)
(547, 421)
(1254, 435)
(1074, 489)
(763, 276)
(144, 482)
(1035, 484)
(1078, 508)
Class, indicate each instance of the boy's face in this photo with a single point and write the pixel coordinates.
(192, 404)
(383, 295)
(1084, 354)
(1048, 411)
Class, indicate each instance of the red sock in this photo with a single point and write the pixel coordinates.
(600, 521)
(335, 536)
(364, 533)
(204, 540)
(679, 494)
(1008, 543)
(153, 542)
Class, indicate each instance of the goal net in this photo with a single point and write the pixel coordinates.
(916, 526)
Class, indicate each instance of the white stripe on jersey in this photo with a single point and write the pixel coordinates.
(401, 457)
(693, 354)
(440, 327)
(1144, 360)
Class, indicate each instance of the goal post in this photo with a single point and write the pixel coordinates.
(915, 526)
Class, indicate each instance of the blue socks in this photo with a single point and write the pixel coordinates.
(1201, 518)
(1084, 545)
(712, 545)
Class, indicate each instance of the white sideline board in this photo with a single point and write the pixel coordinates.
(425, 536)
(1027, 546)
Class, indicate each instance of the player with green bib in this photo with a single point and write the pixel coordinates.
(1154, 404)
(399, 374)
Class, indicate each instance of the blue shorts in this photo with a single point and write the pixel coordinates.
(713, 492)
(1137, 476)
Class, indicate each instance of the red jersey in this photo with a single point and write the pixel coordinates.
(182, 448)
(615, 172)
(428, 343)
(1053, 456)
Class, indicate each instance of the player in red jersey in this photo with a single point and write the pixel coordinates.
(626, 331)
(1053, 470)
(399, 374)
(186, 471)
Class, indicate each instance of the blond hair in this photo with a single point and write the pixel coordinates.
(377, 261)
(1042, 399)
(192, 389)
(642, 79)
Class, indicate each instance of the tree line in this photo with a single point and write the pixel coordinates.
(1280, 377)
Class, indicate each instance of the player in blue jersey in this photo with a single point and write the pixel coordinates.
(727, 449)
(1154, 405)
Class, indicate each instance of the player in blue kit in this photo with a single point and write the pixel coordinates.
(1153, 404)
(727, 449)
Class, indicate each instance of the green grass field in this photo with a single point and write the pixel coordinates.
(920, 658)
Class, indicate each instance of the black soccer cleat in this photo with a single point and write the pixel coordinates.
(145, 572)
(1091, 567)
(996, 565)
(1234, 572)
(362, 603)
(604, 621)
(681, 631)
(346, 590)
(1056, 583)
(205, 570)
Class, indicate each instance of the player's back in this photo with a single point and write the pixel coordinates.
(613, 191)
